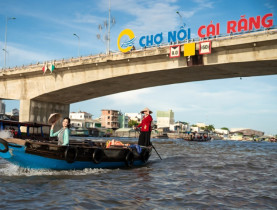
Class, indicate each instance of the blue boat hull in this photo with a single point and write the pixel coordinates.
(18, 156)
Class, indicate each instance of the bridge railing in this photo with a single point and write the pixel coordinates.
(73, 60)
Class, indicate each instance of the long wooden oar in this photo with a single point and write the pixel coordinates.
(156, 151)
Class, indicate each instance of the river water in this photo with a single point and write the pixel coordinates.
(191, 175)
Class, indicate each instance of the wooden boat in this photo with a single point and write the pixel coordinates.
(200, 137)
(80, 154)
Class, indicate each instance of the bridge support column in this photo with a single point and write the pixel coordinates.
(39, 111)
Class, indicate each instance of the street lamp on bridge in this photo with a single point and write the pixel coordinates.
(78, 44)
(181, 17)
(5, 48)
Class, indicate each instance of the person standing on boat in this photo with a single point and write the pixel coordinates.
(63, 133)
(145, 131)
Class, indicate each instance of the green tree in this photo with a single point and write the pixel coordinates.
(132, 123)
(224, 128)
(209, 128)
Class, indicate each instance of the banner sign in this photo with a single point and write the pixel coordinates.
(205, 47)
(189, 49)
(237, 26)
(204, 31)
(150, 40)
(175, 51)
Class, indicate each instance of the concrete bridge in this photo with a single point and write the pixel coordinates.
(78, 79)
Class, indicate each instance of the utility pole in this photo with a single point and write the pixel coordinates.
(106, 36)
(109, 28)
(5, 48)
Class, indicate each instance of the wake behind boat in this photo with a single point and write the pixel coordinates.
(42, 153)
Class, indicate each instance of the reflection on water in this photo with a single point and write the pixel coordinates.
(192, 175)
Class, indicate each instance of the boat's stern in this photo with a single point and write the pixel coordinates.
(10, 147)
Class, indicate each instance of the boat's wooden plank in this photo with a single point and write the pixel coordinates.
(15, 141)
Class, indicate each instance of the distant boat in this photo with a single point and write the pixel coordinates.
(36, 152)
(176, 135)
(199, 137)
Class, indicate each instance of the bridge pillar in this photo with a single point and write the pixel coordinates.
(39, 111)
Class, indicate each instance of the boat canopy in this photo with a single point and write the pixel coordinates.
(10, 124)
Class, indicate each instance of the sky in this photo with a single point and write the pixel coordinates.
(43, 31)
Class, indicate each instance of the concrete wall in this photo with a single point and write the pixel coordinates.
(39, 112)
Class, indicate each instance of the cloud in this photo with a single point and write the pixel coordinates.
(154, 13)
(88, 18)
(204, 4)
(130, 97)
(270, 6)
(19, 55)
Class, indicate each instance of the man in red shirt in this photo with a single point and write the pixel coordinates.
(145, 132)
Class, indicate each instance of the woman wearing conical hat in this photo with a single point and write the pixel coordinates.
(145, 131)
(64, 132)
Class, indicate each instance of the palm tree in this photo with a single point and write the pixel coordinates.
(209, 128)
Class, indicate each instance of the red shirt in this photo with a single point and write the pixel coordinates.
(146, 123)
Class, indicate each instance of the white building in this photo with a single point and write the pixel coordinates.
(134, 116)
(201, 125)
(165, 119)
(80, 115)
(81, 120)
(180, 127)
(221, 131)
(195, 129)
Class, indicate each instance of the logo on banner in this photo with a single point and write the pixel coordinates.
(128, 45)
(175, 51)
(205, 47)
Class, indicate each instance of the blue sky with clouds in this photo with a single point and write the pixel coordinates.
(43, 30)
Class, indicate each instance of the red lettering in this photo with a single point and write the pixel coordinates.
(217, 29)
(231, 26)
(200, 32)
(256, 23)
(268, 23)
(211, 30)
(242, 24)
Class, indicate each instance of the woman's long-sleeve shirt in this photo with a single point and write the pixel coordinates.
(63, 136)
(146, 123)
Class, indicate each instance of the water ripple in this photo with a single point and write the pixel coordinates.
(192, 175)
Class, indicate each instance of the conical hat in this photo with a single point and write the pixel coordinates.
(145, 110)
(54, 118)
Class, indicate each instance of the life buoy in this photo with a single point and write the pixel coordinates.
(5, 144)
(70, 154)
(97, 155)
(129, 159)
(145, 154)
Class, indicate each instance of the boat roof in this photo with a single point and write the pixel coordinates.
(202, 132)
(27, 124)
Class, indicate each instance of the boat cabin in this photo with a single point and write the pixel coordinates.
(25, 130)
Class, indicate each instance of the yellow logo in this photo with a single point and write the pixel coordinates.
(126, 46)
